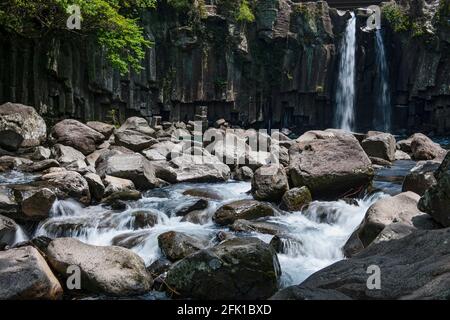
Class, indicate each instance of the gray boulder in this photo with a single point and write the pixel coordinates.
(242, 209)
(75, 134)
(237, 269)
(96, 186)
(423, 148)
(8, 229)
(109, 270)
(381, 145)
(177, 245)
(104, 128)
(24, 275)
(296, 199)
(20, 126)
(269, 183)
(421, 177)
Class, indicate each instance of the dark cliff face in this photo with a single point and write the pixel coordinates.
(278, 71)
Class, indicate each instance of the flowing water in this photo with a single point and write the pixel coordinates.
(345, 91)
(382, 119)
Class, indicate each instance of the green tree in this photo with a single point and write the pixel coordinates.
(114, 23)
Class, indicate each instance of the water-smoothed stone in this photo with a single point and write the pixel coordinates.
(12, 162)
(130, 240)
(104, 128)
(25, 275)
(265, 227)
(177, 245)
(40, 165)
(436, 200)
(270, 183)
(203, 194)
(144, 219)
(96, 186)
(66, 155)
(164, 171)
(209, 170)
(200, 204)
(405, 145)
(8, 203)
(380, 162)
(8, 229)
(242, 209)
(134, 167)
(421, 177)
(239, 268)
(197, 217)
(423, 256)
(330, 167)
(295, 199)
(381, 145)
(400, 155)
(114, 185)
(20, 126)
(159, 267)
(287, 244)
(388, 210)
(423, 148)
(123, 195)
(109, 270)
(75, 134)
(37, 206)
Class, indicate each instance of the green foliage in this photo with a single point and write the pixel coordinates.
(113, 22)
(244, 13)
(396, 16)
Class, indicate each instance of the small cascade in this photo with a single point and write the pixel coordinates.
(382, 115)
(345, 91)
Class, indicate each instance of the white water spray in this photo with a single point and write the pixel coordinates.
(345, 91)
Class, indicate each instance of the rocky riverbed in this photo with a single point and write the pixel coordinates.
(301, 219)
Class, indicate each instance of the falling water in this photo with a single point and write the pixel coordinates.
(345, 92)
(382, 118)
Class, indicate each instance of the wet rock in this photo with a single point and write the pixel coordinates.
(243, 174)
(405, 145)
(421, 177)
(8, 230)
(203, 194)
(269, 183)
(38, 205)
(257, 226)
(144, 219)
(400, 208)
(124, 195)
(242, 209)
(380, 162)
(68, 184)
(400, 155)
(134, 140)
(104, 128)
(436, 200)
(200, 204)
(286, 244)
(20, 126)
(330, 167)
(40, 165)
(393, 231)
(11, 162)
(381, 146)
(133, 167)
(158, 267)
(109, 270)
(8, 204)
(130, 240)
(239, 268)
(96, 186)
(295, 199)
(177, 245)
(197, 217)
(423, 148)
(164, 171)
(24, 275)
(75, 134)
(41, 153)
(422, 256)
(114, 184)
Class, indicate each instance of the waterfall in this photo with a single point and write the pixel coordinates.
(345, 91)
(382, 116)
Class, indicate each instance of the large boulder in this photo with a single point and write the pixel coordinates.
(134, 140)
(68, 184)
(242, 209)
(296, 199)
(421, 177)
(381, 146)
(237, 269)
(25, 275)
(108, 270)
(137, 124)
(177, 245)
(38, 204)
(8, 229)
(101, 127)
(69, 157)
(388, 210)
(269, 183)
(330, 167)
(96, 186)
(134, 167)
(436, 200)
(114, 185)
(208, 169)
(414, 267)
(20, 126)
(75, 134)
(423, 148)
